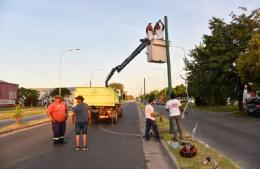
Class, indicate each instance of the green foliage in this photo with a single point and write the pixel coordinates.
(120, 87)
(180, 91)
(129, 97)
(162, 95)
(212, 73)
(64, 92)
(28, 96)
(153, 95)
(248, 63)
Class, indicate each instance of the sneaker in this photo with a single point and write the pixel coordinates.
(85, 148)
(77, 148)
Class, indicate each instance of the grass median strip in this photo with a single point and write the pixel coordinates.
(21, 125)
(203, 151)
(10, 114)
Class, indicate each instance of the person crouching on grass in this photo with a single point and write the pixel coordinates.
(80, 119)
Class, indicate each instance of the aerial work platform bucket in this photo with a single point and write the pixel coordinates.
(156, 51)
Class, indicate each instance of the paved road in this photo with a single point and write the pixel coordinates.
(7, 122)
(235, 137)
(110, 147)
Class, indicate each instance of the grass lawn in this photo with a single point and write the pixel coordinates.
(203, 151)
(8, 113)
(227, 108)
(22, 125)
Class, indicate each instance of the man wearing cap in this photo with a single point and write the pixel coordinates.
(58, 113)
(80, 119)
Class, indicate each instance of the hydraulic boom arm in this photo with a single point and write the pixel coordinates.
(118, 68)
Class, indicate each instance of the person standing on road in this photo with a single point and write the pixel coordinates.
(158, 30)
(150, 121)
(173, 106)
(80, 119)
(58, 113)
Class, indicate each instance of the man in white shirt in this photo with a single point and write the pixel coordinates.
(149, 31)
(158, 30)
(150, 121)
(174, 108)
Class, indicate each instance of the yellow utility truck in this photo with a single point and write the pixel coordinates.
(104, 102)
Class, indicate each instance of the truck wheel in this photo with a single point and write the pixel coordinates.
(115, 118)
(121, 112)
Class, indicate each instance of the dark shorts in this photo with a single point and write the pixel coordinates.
(81, 127)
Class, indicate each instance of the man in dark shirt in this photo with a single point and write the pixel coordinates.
(80, 119)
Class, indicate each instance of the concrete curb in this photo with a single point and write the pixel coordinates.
(162, 143)
(170, 154)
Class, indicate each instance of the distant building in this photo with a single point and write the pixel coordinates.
(8, 94)
(44, 97)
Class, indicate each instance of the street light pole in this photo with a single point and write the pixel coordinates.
(90, 82)
(70, 50)
(168, 57)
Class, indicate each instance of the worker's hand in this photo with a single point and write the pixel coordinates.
(52, 120)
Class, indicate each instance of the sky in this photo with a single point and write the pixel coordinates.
(34, 34)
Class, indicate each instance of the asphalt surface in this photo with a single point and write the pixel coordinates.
(235, 137)
(110, 147)
(7, 122)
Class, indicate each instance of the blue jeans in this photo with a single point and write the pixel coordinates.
(151, 124)
(81, 127)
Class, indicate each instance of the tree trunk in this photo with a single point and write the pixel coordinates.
(240, 97)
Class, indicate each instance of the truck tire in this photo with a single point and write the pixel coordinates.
(121, 112)
(115, 118)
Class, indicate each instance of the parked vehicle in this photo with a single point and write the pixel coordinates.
(252, 106)
(104, 102)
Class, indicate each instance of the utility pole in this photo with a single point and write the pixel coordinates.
(144, 88)
(168, 57)
(168, 66)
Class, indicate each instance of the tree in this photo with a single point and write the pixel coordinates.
(120, 87)
(28, 96)
(180, 91)
(64, 92)
(153, 94)
(130, 97)
(212, 74)
(248, 63)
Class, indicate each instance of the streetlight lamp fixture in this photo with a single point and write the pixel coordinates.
(70, 50)
(90, 82)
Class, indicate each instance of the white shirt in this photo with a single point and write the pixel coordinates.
(159, 34)
(173, 106)
(148, 110)
(150, 35)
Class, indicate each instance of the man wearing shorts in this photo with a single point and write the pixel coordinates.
(80, 119)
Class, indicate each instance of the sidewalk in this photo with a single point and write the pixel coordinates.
(156, 154)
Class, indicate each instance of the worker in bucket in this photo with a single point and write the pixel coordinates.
(159, 30)
(149, 32)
